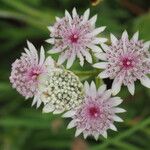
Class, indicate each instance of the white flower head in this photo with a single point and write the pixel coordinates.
(26, 70)
(73, 36)
(60, 90)
(125, 61)
(97, 113)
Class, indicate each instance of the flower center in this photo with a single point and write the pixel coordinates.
(94, 112)
(127, 63)
(33, 73)
(74, 38)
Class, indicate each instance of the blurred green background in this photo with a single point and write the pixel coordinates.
(25, 128)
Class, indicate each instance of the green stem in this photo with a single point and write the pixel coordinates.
(122, 135)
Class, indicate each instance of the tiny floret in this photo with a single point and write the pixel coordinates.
(125, 61)
(73, 36)
(97, 113)
(60, 90)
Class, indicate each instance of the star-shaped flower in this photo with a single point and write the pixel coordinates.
(125, 61)
(74, 36)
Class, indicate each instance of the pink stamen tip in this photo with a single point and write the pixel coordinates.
(74, 38)
(127, 63)
(94, 112)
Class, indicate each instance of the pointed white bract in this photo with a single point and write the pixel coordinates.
(73, 36)
(27, 69)
(126, 60)
(97, 113)
(60, 90)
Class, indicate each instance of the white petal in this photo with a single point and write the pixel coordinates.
(145, 81)
(86, 15)
(101, 56)
(71, 60)
(42, 79)
(96, 136)
(85, 135)
(104, 134)
(93, 89)
(119, 110)
(69, 114)
(117, 119)
(113, 39)
(58, 111)
(72, 124)
(103, 40)
(27, 52)
(78, 132)
(116, 85)
(124, 35)
(50, 28)
(131, 88)
(101, 89)
(49, 63)
(74, 12)
(51, 41)
(80, 58)
(135, 36)
(146, 45)
(97, 31)
(35, 99)
(103, 75)
(57, 19)
(115, 101)
(96, 41)
(105, 47)
(86, 87)
(101, 65)
(42, 56)
(93, 20)
(112, 127)
(106, 95)
(68, 16)
(33, 51)
(94, 48)
(87, 55)
(39, 102)
(62, 58)
(55, 50)
(48, 108)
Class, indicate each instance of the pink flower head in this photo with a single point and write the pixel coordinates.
(26, 70)
(73, 36)
(97, 113)
(125, 61)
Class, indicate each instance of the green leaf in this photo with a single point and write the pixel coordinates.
(142, 24)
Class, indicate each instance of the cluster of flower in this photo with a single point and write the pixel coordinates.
(93, 111)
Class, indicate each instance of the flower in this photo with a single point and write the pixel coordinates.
(60, 90)
(97, 113)
(26, 70)
(125, 61)
(73, 36)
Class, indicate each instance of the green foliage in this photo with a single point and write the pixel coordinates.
(22, 127)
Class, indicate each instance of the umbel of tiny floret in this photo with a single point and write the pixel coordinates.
(26, 70)
(97, 113)
(60, 90)
(125, 61)
(73, 36)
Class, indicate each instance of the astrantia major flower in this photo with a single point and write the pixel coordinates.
(97, 113)
(60, 90)
(125, 61)
(26, 70)
(73, 36)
